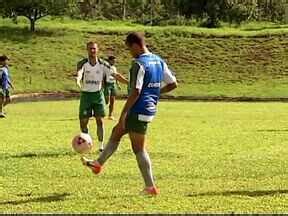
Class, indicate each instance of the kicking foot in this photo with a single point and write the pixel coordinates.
(94, 165)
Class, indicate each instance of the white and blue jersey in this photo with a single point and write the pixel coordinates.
(147, 74)
(4, 78)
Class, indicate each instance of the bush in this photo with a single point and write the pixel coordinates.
(238, 13)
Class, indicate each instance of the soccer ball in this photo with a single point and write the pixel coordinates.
(82, 143)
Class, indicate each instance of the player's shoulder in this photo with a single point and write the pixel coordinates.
(136, 63)
(81, 63)
(158, 57)
(104, 63)
(4, 70)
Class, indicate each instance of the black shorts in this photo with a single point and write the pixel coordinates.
(4, 93)
(133, 124)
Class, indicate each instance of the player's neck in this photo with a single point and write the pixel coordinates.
(144, 50)
(93, 60)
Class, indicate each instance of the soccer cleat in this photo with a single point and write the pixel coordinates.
(101, 150)
(94, 165)
(153, 191)
(2, 115)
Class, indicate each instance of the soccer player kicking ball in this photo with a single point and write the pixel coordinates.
(91, 73)
(147, 73)
(5, 84)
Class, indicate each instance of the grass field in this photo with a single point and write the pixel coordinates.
(251, 60)
(208, 157)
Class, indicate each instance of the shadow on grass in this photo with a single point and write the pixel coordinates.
(20, 34)
(44, 199)
(273, 130)
(64, 120)
(242, 193)
(38, 155)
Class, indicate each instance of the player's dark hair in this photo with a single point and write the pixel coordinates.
(3, 58)
(111, 57)
(135, 38)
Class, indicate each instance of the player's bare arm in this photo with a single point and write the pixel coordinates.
(168, 87)
(119, 77)
(79, 77)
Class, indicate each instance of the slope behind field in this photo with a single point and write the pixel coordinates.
(249, 61)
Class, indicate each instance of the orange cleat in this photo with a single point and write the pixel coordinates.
(150, 191)
(94, 165)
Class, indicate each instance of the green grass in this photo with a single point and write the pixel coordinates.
(250, 60)
(207, 157)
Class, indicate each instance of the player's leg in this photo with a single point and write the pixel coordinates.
(84, 125)
(112, 145)
(2, 101)
(143, 161)
(111, 107)
(100, 132)
(113, 93)
(137, 130)
(99, 113)
(7, 100)
(85, 112)
(110, 148)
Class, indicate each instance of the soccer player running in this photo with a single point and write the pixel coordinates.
(91, 73)
(5, 83)
(110, 88)
(147, 73)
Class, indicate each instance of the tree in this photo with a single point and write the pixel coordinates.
(33, 9)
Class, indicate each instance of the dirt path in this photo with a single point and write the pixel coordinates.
(54, 96)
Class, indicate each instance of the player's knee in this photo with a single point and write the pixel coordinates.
(137, 148)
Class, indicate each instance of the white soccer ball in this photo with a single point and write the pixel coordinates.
(82, 143)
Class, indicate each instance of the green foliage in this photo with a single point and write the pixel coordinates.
(34, 9)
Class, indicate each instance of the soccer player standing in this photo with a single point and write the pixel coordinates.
(5, 84)
(91, 73)
(147, 73)
(110, 88)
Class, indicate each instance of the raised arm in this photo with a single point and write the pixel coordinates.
(119, 77)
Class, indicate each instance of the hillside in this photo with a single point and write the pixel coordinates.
(247, 61)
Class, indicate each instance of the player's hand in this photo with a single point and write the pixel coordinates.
(79, 83)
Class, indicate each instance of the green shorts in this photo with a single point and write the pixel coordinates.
(110, 89)
(4, 93)
(91, 104)
(135, 125)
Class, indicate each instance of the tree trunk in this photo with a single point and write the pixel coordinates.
(32, 25)
(124, 5)
(151, 12)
